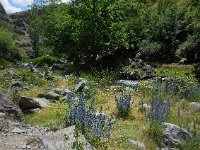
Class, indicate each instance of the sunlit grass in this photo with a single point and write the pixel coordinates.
(175, 70)
(49, 116)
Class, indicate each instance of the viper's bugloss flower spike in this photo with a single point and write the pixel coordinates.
(95, 123)
(123, 104)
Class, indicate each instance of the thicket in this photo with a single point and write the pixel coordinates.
(95, 31)
(6, 42)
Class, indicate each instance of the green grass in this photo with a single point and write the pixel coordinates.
(52, 115)
(134, 127)
(175, 70)
(5, 64)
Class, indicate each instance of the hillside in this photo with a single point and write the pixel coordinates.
(101, 75)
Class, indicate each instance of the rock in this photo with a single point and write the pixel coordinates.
(146, 106)
(182, 61)
(18, 84)
(134, 76)
(18, 130)
(50, 96)
(138, 144)
(28, 147)
(194, 106)
(22, 146)
(173, 134)
(9, 107)
(34, 70)
(80, 85)
(30, 103)
(2, 115)
(63, 139)
(63, 92)
(34, 110)
(128, 83)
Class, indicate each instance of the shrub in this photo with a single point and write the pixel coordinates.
(4, 64)
(123, 105)
(45, 60)
(6, 42)
(105, 77)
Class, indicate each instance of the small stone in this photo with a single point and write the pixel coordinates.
(50, 96)
(194, 106)
(28, 147)
(146, 106)
(138, 144)
(22, 146)
(80, 85)
(2, 115)
(17, 130)
(18, 84)
(128, 83)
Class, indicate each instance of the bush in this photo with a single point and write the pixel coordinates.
(4, 64)
(45, 60)
(123, 105)
(6, 42)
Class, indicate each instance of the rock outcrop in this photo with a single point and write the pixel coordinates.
(8, 107)
(173, 134)
(31, 103)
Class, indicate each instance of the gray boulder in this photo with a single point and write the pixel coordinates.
(2, 115)
(62, 91)
(128, 83)
(49, 96)
(30, 103)
(182, 61)
(173, 134)
(194, 106)
(80, 85)
(9, 107)
(137, 144)
(64, 139)
(59, 91)
(17, 84)
(17, 130)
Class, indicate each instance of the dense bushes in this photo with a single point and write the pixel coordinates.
(6, 42)
(87, 32)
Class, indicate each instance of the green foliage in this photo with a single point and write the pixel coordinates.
(4, 64)
(30, 78)
(41, 61)
(103, 78)
(155, 132)
(49, 116)
(86, 31)
(6, 41)
(192, 143)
